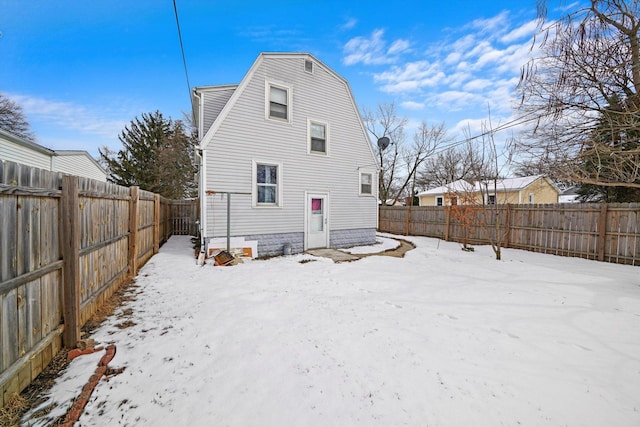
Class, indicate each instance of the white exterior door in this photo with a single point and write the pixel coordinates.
(316, 215)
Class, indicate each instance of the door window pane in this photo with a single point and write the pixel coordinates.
(317, 216)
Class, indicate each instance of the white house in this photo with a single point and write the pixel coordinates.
(71, 162)
(285, 159)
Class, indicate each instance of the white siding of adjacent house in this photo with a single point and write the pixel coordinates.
(246, 136)
(213, 102)
(24, 155)
(78, 163)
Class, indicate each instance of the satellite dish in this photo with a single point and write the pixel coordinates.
(383, 143)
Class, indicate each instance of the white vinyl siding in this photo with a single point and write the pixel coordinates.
(17, 153)
(214, 101)
(245, 136)
(78, 163)
(71, 162)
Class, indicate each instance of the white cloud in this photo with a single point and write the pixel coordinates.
(473, 70)
(456, 100)
(412, 105)
(373, 50)
(493, 24)
(90, 126)
(71, 116)
(398, 46)
(351, 22)
(477, 84)
(411, 76)
(526, 30)
(453, 58)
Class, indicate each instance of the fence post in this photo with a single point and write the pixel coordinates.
(71, 260)
(167, 220)
(156, 224)
(407, 219)
(133, 232)
(507, 234)
(602, 231)
(447, 210)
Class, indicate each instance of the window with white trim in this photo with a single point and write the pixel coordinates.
(267, 178)
(278, 102)
(491, 199)
(366, 183)
(308, 66)
(531, 198)
(439, 201)
(318, 137)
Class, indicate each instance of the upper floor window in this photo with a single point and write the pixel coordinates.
(531, 199)
(318, 137)
(279, 102)
(491, 199)
(366, 183)
(439, 200)
(308, 66)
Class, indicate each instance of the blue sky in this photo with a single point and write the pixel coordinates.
(83, 69)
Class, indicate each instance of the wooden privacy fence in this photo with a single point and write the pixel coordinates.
(604, 232)
(183, 214)
(66, 244)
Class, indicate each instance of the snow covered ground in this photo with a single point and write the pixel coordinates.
(441, 337)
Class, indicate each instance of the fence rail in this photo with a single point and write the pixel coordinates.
(604, 232)
(66, 244)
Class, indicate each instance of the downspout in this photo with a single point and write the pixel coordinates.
(200, 152)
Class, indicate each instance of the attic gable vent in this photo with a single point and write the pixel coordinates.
(308, 66)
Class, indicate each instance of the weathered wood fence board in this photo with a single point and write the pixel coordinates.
(605, 232)
(64, 250)
(183, 214)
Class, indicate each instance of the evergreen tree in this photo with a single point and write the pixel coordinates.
(605, 155)
(157, 156)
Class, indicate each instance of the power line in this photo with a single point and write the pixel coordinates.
(512, 123)
(184, 60)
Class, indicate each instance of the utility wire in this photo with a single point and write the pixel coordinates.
(512, 123)
(184, 60)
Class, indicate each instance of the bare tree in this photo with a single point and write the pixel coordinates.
(385, 122)
(12, 119)
(584, 90)
(478, 204)
(400, 160)
(426, 140)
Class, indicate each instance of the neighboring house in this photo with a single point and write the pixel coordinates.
(71, 162)
(285, 155)
(525, 190)
(570, 195)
